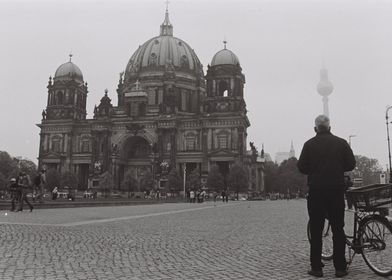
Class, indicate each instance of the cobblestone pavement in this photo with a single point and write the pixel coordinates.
(238, 240)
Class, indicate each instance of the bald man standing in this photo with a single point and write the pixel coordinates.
(325, 158)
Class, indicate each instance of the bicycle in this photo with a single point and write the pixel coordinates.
(372, 229)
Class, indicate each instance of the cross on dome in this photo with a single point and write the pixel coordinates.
(70, 57)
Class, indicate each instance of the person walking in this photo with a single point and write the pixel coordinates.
(25, 183)
(15, 193)
(38, 186)
(324, 159)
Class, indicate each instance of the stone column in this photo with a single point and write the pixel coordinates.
(160, 144)
(204, 148)
(173, 151)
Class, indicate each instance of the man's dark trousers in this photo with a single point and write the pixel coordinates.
(321, 204)
(23, 198)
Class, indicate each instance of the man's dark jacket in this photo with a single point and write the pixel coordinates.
(325, 158)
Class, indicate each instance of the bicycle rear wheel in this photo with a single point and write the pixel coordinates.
(327, 249)
(375, 237)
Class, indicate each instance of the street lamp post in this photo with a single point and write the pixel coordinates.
(389, 145)
(184, 183)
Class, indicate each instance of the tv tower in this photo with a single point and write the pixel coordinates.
(324, 88)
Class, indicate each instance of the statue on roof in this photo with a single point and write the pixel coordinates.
(253, 149)
(43, 114)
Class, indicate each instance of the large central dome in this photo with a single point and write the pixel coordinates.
(164, 53)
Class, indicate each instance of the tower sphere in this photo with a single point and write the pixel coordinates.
(324, 87)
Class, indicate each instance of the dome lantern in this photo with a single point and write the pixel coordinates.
(166, 26)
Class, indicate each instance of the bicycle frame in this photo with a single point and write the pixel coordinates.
(352, 241)
(371, 237)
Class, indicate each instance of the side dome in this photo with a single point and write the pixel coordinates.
(68, 71)
(225, 56)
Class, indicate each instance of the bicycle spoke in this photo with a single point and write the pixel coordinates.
(376, 243)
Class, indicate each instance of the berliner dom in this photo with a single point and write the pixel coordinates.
(169, 115)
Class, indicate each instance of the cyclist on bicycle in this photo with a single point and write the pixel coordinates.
(325, 158)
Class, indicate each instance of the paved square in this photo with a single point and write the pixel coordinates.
(238, 240)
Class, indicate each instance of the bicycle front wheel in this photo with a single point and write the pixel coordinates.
(327, 249)
(376, 242)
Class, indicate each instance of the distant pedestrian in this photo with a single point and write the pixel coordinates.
(192, 196)
(16, 192)
(325, 158)
(197, 196)
(39, 185)
(54, 193)
(25, 184)
(225, 197)
(203, 195)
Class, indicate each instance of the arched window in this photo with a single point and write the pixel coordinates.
(56, 144)
(190, 143)
(184, 61)
(60, 97)
(223, 141)
(153, 59)
(142, 109)
(137, 147)
(223, 87)
(85, 145)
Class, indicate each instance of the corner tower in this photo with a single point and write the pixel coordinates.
(225, 111)
(67, 94)
(66, 107)
(225, 84)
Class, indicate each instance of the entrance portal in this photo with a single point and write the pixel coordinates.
(136, 157)
(224, 168)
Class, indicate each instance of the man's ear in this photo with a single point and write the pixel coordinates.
(315, 129)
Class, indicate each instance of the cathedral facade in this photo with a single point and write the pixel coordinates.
(168, 115)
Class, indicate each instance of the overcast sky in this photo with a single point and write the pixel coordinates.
(281, 46)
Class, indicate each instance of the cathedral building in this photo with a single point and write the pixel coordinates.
(168, 115)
